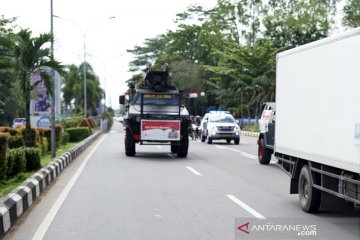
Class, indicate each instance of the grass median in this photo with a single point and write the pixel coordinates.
(6, 186)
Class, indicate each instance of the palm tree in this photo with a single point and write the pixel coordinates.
(73, 89)
(30, 56)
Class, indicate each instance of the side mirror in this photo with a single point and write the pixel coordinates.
(122, 99)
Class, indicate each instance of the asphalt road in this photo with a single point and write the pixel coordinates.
(154, 195)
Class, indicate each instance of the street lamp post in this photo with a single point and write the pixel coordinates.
(84, 45)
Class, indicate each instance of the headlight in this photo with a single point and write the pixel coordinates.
(236, 128)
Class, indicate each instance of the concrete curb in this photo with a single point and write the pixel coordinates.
(20, 199)
(251, 134)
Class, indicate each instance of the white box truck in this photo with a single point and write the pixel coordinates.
(317, 119)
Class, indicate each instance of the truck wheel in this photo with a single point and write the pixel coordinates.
(237, 141)
(228, 140)
(183, 148)
(174, 148)
(129, 144)
(264, 153)
(309, 197)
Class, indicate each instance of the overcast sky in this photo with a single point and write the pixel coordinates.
(106, 40)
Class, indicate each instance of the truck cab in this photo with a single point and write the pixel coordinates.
(267, 132)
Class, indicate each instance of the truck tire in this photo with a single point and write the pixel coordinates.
(183, 148)
(228, 141)
(174, 148)
(264, 153)
(129, 144)
(309, 197)
(237, 141)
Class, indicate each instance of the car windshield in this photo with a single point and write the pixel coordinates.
(222, 119)
(159, 99)
(19, 120)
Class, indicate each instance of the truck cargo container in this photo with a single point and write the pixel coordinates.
(316, 120)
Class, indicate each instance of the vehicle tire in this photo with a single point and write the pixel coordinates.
(209, 140)
(129, 144)
(174, 148)
(228, 140)
(309, 197)
(264, 153)
(183, 148)
(237, 141)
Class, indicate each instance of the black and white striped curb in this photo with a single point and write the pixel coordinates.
(251, 134)
(20, 199)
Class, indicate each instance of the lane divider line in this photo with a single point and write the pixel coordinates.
(246, 207)
(44, 226)
(193, 171)
(248, 155)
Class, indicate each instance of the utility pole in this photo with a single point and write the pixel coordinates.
(53, 105)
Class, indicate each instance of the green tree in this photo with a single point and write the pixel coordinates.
(352, 13)
(28, 55)
(10, 105)
(290, 23)
(73, 89)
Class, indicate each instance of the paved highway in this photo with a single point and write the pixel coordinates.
(208, 195)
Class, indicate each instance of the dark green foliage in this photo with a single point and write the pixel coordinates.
(352, 13)
(16, 161)
(71, 121)
(32, 159)
(77, 134)
(16, 141)
(65, 138)
(44, 146)
(31, 136)
(3, 147)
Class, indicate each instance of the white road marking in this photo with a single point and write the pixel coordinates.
(171, 155)
(248, 155)
(44, 226)
(193, 171)
(246, 207)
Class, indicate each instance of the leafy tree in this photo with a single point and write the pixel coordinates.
(28, 55)
(352, 13)
(73, 89)
(10, 105)
(291, 23)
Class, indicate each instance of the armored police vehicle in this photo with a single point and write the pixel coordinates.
(155, 115)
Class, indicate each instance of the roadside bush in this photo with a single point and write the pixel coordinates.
(84, 123)
(3, 161)
(33, 139)
(65, 138)
(16, 141)
(32, 156)
(47, 135)
(91, 122)
(16, 161)
(44, 146)
(70, 122)
(79, 133)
